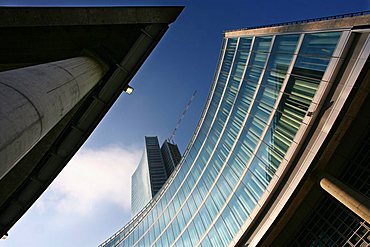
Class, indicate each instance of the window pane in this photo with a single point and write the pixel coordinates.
(285, 43)
(322, 44)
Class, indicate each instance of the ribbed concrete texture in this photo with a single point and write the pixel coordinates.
(34, 99)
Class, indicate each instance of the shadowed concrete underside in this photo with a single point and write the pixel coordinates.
(118, 38)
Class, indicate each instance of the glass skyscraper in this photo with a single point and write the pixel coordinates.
(171, 156)
(155, 166)
(149, 176)
(259, 163)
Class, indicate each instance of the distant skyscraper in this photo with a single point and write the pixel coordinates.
(152, 171)
(141, 191)
(171, 156)
(157, 170)
(281, 154)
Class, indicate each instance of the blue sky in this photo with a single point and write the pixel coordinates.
(90, 200)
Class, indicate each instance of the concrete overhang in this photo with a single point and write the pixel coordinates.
(123, 37)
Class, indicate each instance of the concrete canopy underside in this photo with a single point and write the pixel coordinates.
(121, 37)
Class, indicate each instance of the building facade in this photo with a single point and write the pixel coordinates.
(152, 171)
(171, 156)
(157, 169)
(280, 155)
(141, 191)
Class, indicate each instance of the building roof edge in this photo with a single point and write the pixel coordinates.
(344, 21)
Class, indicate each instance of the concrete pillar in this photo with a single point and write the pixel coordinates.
(356, 202)
(35, 98)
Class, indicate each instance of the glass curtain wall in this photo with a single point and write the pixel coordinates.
(262, 91)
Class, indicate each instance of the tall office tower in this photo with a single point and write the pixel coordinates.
(157, 170)
(149, 176)
(171, 156)
(281, 154)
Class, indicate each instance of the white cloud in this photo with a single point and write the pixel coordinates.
(91, 178)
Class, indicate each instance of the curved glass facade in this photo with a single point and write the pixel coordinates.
(141, 192)
(263, 88)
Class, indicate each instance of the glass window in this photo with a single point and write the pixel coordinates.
(214, 238)
(181, 194)
(230, 176)
(252, 74)
(249, 191)
(151, 235)
(262, 44)
(218, 198)
(198, 224)
(279, 62)
(181, 220)
(311, 67)
(236, 164)
(223, 232)
(273, 80)
(258, 60)
(208, 180)
(197, 197)
(285, 43)
(176, 202)
(179, 243)
(170, 235)
(231, 43)
(175, 227)
(261, 171)
(207, 220)
(191, 204)
(186, 238)
(321, 44)
(193, 234)
(211, 206)
(206, 242)
(162, 223)
(245, 44)
(224, 186)
(230, 220)
(186, 212)
(193, 176)
(163, 241)
(269, 157)
(146, 240)
(203, 190)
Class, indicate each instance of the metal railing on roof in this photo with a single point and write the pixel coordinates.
(333, 17)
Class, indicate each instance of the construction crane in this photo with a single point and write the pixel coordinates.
(182, 116)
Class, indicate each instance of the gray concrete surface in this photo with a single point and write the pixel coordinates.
(356, 202)
(34, 36)
(34, 99)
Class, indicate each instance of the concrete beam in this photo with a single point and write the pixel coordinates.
(123, 37)
(34, 99)
(51, 16)
(356, 202)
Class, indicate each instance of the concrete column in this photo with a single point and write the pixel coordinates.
(356, 202)
(34, 99)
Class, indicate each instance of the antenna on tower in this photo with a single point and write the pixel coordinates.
(182, 116)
